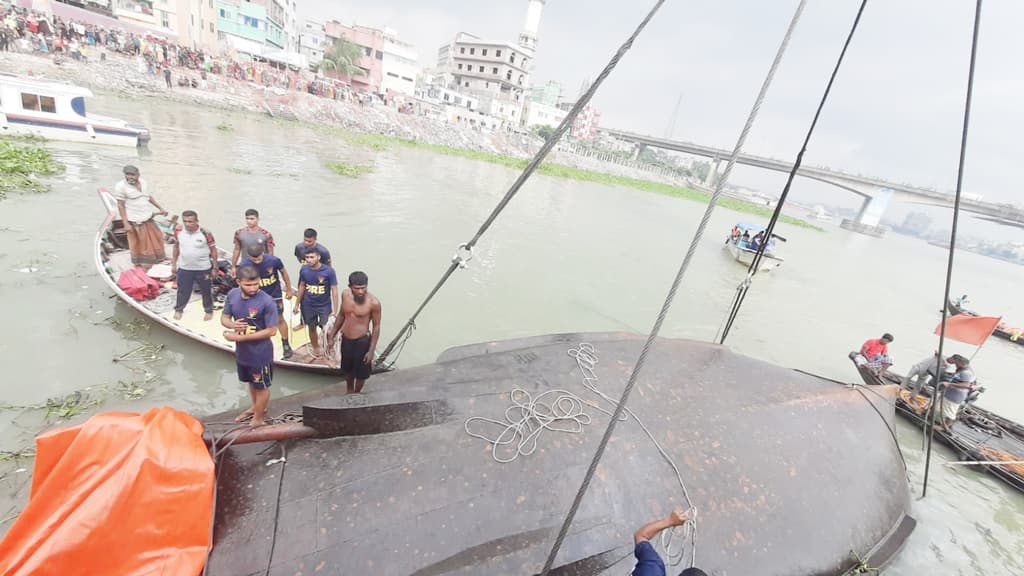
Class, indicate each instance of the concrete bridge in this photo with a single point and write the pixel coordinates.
(877, 193)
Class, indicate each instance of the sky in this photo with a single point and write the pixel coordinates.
(896, 110)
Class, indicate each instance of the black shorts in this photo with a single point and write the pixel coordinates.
(257, 377)
(352, 353)
(314, 316)
(280, 307)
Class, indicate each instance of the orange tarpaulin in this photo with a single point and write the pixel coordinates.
(969, 329)
(126, 494)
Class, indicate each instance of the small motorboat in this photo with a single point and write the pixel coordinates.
(744, 241)
(56, 111)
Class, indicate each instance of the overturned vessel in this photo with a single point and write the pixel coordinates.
(789, 473)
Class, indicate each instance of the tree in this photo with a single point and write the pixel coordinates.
(544, 131)
(342, 58)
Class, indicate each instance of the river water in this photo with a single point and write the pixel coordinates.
(565, 256)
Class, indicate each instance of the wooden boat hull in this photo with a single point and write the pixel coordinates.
(767, 455)
(192, 325)
(976, 431)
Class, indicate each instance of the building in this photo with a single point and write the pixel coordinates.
(280, 30)
(540, 114)
(587, 124)
(197, 24)
(313, 41)
(399, 67)
(498, 73)
(143, 14)
(549, 94)
(241, 27)
(371, 42)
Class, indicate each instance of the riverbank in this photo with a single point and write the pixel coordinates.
(373, 127)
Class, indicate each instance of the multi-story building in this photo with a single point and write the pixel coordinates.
(497, 73)
(281, 32)
(241, 26)
(371, 42)
(143, 13)
(313, 41)
(399, 67)
(197, 24)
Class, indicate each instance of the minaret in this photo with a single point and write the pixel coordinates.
(528, 38)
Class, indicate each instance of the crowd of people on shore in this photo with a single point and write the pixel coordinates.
(29, 31)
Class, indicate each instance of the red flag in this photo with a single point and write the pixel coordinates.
(969, 329)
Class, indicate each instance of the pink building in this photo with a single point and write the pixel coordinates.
(371, 41)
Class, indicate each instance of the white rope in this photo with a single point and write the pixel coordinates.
(559, 410)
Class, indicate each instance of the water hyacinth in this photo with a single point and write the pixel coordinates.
(21, 164)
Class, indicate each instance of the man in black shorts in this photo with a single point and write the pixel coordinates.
(360, 327)
(317, 297)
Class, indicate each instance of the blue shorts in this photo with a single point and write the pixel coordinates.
(315, 316)
(257, 377)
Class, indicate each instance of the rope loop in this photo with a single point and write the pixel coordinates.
(463, 254)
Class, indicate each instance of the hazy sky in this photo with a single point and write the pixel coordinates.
(896, 109)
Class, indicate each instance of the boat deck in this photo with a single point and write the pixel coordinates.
(401, 488)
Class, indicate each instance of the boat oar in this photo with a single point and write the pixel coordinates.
(777, 237)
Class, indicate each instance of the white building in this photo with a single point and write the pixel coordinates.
(399, 66)
(540, 114)
(313, 41)
(445, 97)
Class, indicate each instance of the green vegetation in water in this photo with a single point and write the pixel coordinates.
(20, 164)
(350, 170)
(14, 456)
(225, 127)
(242, 171)
(380, 142)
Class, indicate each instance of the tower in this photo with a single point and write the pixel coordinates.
(528, 38)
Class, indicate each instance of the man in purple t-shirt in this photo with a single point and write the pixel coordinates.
(250, 315)
(318, 296)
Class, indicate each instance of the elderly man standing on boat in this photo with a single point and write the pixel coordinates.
(135, 204)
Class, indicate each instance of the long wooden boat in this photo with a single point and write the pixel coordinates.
(395, 482)
(112, 257)
(978, 434)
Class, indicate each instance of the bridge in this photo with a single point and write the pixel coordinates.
(876, 192)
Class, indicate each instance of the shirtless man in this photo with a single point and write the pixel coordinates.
(359, 324)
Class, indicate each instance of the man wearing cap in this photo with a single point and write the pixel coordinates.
(959, 386)
(134, 203)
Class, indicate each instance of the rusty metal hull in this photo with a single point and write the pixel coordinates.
(791, 474)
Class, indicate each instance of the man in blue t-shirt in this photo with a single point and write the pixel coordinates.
(272, 271)
(317, 297)
(648, 562)
(250, 315)
(309, 241)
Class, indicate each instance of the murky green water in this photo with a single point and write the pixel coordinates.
(565, 256)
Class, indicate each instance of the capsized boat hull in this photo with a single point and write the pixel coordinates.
(789, 472)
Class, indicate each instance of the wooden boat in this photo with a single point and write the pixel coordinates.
(767, 455)
(978, 434)
(742, 252)
(112, 258)
(56, 111)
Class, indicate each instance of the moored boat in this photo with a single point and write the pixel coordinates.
(977, 434)
(112, 258)
(742, 246)
(56, 111)
(1003, 330)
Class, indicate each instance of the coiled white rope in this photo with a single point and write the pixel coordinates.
(559, 410)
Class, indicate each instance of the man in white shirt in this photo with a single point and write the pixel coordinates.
(134, 203)
(195, 252)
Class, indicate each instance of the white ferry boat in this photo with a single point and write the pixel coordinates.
(56, 111)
